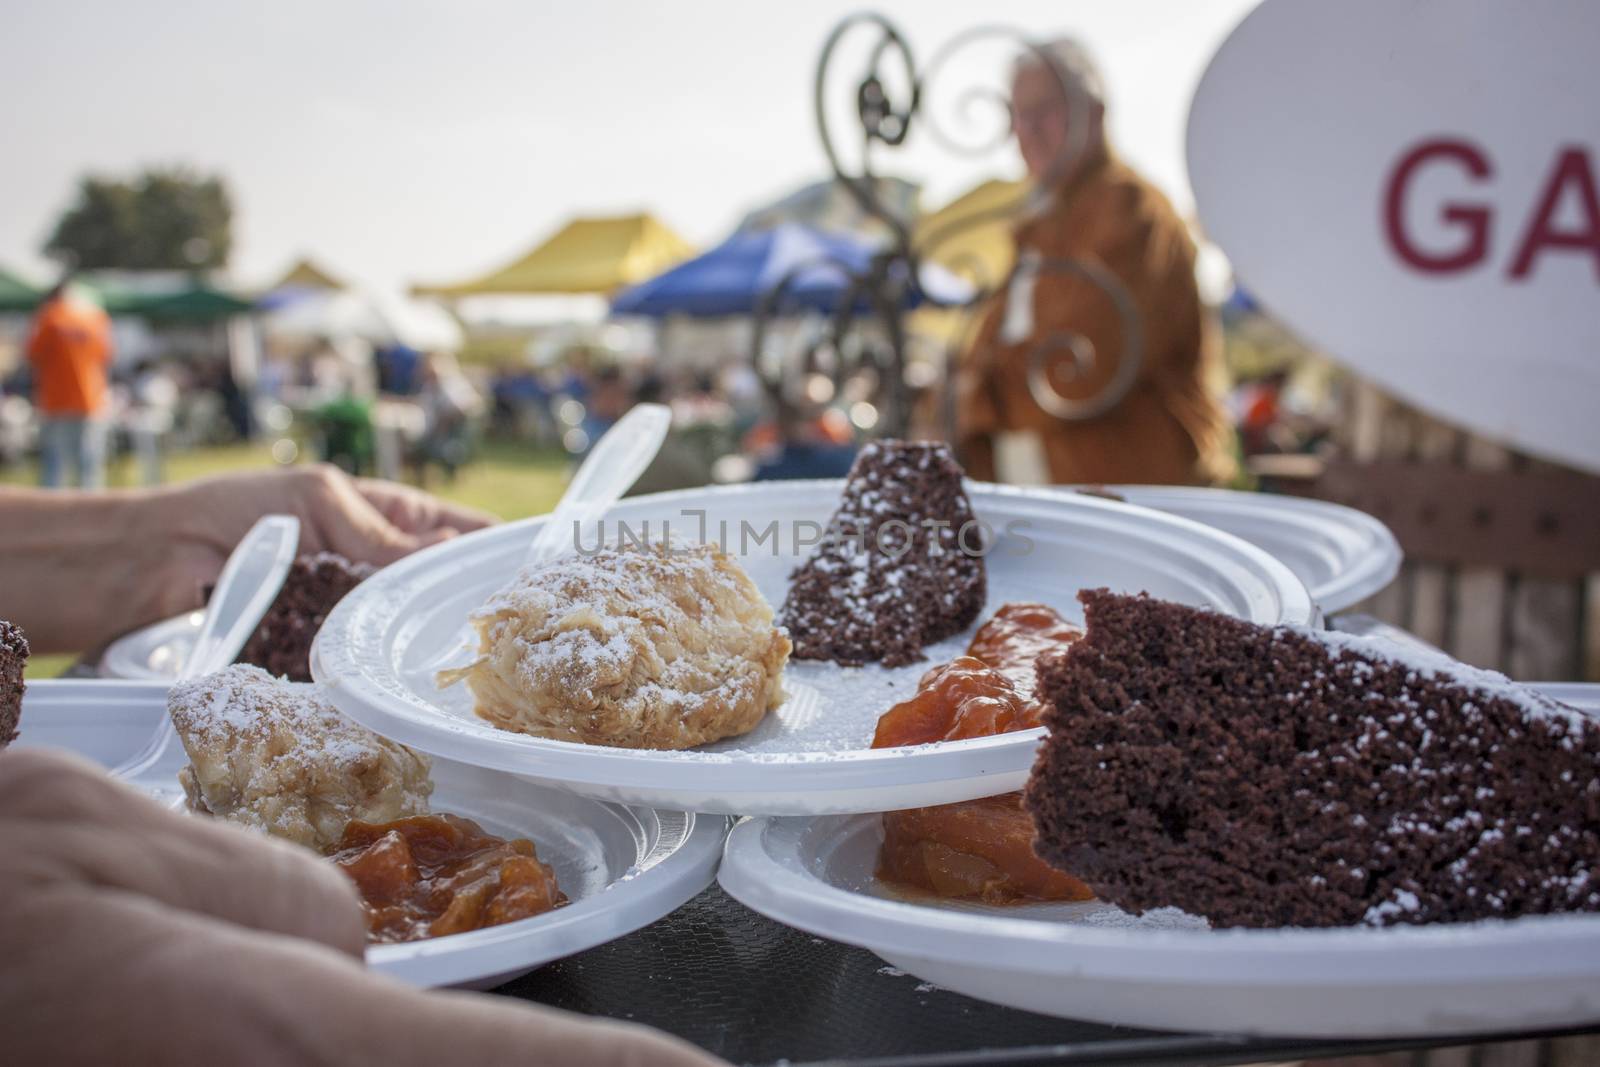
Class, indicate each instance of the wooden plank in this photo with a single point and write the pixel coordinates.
(1544, 626)
(1460, 1056)
(1384, 431)
(1478, 620)
(1536, 520)
(1510, 1054)
(1433, 584)
(1545, 619)
(1358, 433)
(1591, 634)
(1580, 1051)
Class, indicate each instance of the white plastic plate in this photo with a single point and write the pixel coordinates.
(1168, 970)
(1342, 555)
(380, 650)
(153, 653)
(621, 867)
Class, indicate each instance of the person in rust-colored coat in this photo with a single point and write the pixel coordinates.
(1089, 206)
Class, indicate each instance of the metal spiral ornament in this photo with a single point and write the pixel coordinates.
(1082, 350)
(885, 118)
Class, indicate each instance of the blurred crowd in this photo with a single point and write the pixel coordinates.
(1046, 391)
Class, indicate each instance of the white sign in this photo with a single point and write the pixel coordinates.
(1413, 188)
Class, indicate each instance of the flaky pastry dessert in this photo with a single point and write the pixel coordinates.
(281, 759)
(664, 647)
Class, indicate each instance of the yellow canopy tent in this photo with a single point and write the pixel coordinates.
(970, 237)
(306, 274)
(595, 255)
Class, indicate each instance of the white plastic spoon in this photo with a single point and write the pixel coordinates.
(249, 583)
(613, 465)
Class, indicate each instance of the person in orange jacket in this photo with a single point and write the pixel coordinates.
(70, 350)
(1153, 422)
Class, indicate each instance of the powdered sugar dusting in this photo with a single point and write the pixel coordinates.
(665, 646)
(898, 565)
(279, 757)
(597, 645)
(1490, 683)
(218, 709)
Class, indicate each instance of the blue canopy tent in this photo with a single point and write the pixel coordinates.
(1239, 303)
(815, 269)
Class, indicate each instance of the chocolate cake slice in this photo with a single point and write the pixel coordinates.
(901, 564)
(1275, 776)
(13, 658)
(281, 645)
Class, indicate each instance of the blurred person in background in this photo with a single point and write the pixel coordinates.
(1259, 413)
(344, 384)
(804, 440)
(680, 463)
(449, 403)
(70, 350)
(1094, 208)
(609, 398)
(151, 415)
(745, 393)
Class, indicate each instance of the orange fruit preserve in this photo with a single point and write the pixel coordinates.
(431, 875)
(981, 849)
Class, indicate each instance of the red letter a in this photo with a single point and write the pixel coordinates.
(1572, 169)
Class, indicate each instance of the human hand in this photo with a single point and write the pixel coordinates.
(363, 520)
(79, 568)
(134, 934)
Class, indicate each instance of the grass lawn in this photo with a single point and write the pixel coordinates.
(510, 480)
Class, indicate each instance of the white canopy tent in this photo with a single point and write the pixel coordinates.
(374, 316)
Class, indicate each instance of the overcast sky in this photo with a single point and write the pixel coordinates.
(401, 140)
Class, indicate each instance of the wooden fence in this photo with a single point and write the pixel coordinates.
(1502, 550)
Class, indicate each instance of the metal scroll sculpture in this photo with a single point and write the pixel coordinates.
(891, 100)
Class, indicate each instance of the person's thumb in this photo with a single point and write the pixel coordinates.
(381, 542)
(436, 536)
(353, 528)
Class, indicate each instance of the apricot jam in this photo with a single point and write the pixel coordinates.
(989, 690)
(1013, 640)
(432, 875)
(961, 699)
(977, 849)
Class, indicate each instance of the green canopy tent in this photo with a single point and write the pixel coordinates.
(16, 294)
(200, 303)
(191, 300)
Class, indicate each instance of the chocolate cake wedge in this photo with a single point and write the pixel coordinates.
(1275, 776)
(281, 645)
(900, 566)
(13, 659)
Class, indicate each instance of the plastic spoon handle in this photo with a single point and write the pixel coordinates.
(614, 464)
(249, 583)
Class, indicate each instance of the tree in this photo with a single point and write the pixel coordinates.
(163, 219)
